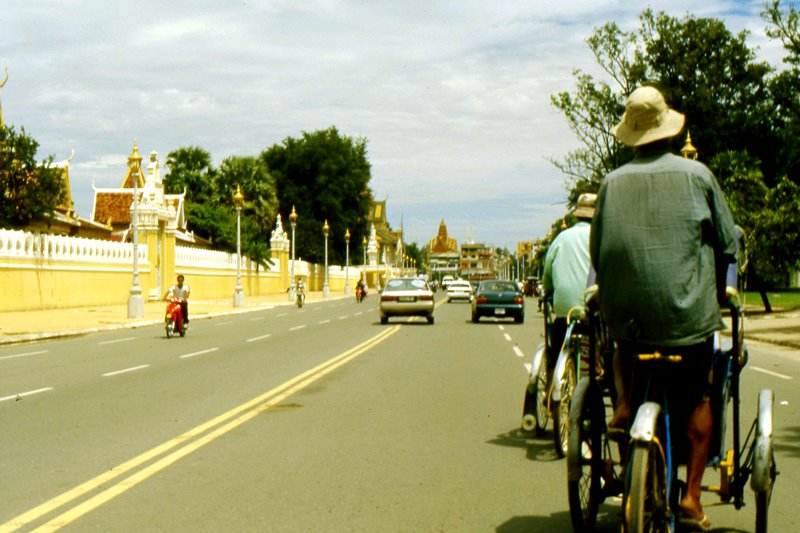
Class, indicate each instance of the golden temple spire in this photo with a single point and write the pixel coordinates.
(1, 103)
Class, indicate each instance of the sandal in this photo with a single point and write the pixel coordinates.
(695, 524)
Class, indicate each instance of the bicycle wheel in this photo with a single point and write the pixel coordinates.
(541, 412)
(764, 469)
(584, 455)
(646, 505)
(561, 409)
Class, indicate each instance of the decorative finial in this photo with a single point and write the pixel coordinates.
(689, 151)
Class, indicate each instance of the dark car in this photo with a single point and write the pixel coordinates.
(499, 299)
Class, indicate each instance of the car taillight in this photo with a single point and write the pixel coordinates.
(518, 300)
(481, 300)
(385, 298)
(426, 297)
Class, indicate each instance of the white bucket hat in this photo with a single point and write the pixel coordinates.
(647, 118)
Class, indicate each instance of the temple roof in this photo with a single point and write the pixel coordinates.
(443, 244)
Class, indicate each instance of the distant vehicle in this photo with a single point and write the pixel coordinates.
(499, 299)
(459, 290)
(446, 280)
(406, 297)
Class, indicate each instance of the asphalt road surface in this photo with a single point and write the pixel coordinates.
(312, 419)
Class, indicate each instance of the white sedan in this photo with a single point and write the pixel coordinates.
(406, 297)
(459, 290)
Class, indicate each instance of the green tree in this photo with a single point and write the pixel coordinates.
(29, 191)
(325, 176)
(190, 170)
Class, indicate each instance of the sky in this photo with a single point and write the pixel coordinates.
(452, 97)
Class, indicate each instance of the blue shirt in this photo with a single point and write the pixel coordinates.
(566, 268)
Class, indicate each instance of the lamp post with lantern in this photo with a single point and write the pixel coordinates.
(293, 221)
(347, 264)
(238, 293)
(325, 230)
(364, 246)
(135, 299)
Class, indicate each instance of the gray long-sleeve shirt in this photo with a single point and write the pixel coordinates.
(660, 229)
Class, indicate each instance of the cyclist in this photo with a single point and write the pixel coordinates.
(662, 237)
(566, 269)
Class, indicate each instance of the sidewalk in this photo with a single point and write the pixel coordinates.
(778, 328)
(27, 326)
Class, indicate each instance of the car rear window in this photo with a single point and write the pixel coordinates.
(405, 284)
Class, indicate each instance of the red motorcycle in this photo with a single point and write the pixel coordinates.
(361, 293)
(173, 321)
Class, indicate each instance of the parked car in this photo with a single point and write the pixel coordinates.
(459, 290)
(499, 299)
(406, 297)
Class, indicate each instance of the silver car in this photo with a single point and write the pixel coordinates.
(459, 290)
(406, 297)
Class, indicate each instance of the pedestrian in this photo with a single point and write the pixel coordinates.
(661, 239)
(180, 290)
(566, 269)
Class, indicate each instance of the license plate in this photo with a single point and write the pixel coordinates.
(499, 311)
(407, 299)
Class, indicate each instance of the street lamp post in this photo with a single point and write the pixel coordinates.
(325, 230)
(238, 293)
(347, 264)
(135, 300)
(293, 220)
(364, 246)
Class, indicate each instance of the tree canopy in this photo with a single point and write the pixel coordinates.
(323, 175)
(741, 114)
(29, 191)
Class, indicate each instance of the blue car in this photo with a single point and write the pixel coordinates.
(498, 299)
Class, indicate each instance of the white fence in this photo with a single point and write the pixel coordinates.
(43, 246)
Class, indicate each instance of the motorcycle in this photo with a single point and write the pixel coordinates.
(360, 294)
(173, 320)
(300, 298)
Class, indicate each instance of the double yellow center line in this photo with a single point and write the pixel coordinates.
(177, 447)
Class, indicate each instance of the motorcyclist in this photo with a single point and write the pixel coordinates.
(180, 290)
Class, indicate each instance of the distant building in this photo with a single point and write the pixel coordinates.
(389, 241)
(444, 257)
(477, 262)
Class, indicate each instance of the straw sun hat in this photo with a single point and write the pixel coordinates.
(647, 118)
(585, 207)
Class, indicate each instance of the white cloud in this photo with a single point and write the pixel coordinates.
(453, 97)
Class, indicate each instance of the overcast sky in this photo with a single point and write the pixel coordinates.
(451, 96)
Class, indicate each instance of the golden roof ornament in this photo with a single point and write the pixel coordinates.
(689, 151)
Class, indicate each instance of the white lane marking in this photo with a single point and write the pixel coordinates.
(198, 353)
(23, 394)
(324, 321)
(282, 314)
(784, 402)
(507, 336)
(224, 324)
(502, 328)
(257, 318)
(343, 317)
(123, 371)
(26, 354)
(770, 372)
(518, 352)
(126, 339)
(360, 313)
(260, 337)
(297, 327)
(528, 368)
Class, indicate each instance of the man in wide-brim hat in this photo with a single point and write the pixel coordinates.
(661, 226)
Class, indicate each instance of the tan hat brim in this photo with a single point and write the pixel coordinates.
(670, 127)
(584, 212)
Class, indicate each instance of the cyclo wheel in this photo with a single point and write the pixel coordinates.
(585, 455)
(646, 505)
(764, 469)
(541, 411)
(561, 409)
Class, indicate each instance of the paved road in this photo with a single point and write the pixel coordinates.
(317, 419)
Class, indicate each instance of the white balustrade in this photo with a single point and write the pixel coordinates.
(19, 244)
